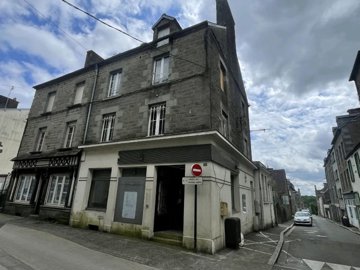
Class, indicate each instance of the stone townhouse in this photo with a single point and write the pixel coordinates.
(264, 201)
(156, 111)
(353, 204)
(45, 168)
(119, 141)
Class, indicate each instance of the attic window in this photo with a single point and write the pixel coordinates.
(162, 33)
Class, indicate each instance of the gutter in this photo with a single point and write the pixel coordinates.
(90, 104)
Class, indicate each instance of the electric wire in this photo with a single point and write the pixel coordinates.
(127, 34)
(58, 27)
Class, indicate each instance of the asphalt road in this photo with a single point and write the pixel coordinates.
(325, 245)
(27, 249)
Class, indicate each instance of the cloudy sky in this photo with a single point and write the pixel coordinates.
(296, 57)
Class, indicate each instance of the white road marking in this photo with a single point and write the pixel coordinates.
(257, 251)
(314, 265)
(317, 265)
(267, 237)
(335, 266)
(323, 236)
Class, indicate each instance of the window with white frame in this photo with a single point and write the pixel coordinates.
(107, 130)
(161, 70)
(69, 136)
(40, 140)
(50, 102)
(357, 162)
(222, 76)
(79, 90)
(162, 33)
(114, 84)
(57, 190)
(25, 188)
(157, 119)
(243, 202)
(235, 194)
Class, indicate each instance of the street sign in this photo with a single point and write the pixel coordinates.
(192, 180)
(196, 170)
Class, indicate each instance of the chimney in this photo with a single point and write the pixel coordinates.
(224, 18)
(92, 58)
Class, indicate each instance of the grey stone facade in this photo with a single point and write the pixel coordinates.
(195, 102)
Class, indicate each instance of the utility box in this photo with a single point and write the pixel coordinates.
(232, 232)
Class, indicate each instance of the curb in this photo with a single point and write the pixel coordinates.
(279, 245)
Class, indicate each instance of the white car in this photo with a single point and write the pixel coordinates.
(303, 218)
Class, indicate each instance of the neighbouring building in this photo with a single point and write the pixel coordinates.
(355, 74)
(12, 124)
(336, 205)
(353, 201)
(112, 146)
(340, 166)
(282, 196)
(264, 202)
(323, 201)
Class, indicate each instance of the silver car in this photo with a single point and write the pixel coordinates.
(303, 218)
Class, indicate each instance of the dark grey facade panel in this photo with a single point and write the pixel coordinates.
(193, 153)
(166, 155)
(130, 200)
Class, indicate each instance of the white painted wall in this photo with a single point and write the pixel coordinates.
(12, 125)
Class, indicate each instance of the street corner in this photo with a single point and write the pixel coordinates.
(257, 249)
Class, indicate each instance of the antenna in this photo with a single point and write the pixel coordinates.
(262, 129)
(7, 100)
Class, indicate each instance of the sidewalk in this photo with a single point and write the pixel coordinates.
(352, 229)
(253, 255)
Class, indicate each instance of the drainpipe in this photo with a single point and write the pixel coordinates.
(91, 102)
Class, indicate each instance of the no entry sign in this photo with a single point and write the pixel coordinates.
(196, 170)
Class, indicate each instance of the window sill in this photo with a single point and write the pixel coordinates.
(74, 106)
(160, 83)
(53, 206)
(111, 97)
(96, 209)
(21, 203)
(35, 152)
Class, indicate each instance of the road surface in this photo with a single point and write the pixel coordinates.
(324, 246)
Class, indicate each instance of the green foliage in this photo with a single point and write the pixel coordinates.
(310, 202)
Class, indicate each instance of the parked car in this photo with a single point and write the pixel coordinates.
(303, 217)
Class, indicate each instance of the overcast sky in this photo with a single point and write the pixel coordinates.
(296, 57)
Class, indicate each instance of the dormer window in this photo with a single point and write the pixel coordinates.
(165, 26)
(162, 33)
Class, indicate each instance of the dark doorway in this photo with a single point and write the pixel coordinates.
(169, 210)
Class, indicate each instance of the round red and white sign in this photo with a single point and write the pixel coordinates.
(196, 170)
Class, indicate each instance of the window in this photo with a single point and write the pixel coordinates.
(235, 195)
(156, 120)
(114, 85)
(243, 200)
(357, 161)
(57, 190)
(161, 70)
(40, 140)
(99, 189)
(50, 102)
(79, 93)
(107, 127)
(25, 188)
(70, 131)
(162, 33)
(224, 124)
(351, 172)
(222, 77)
